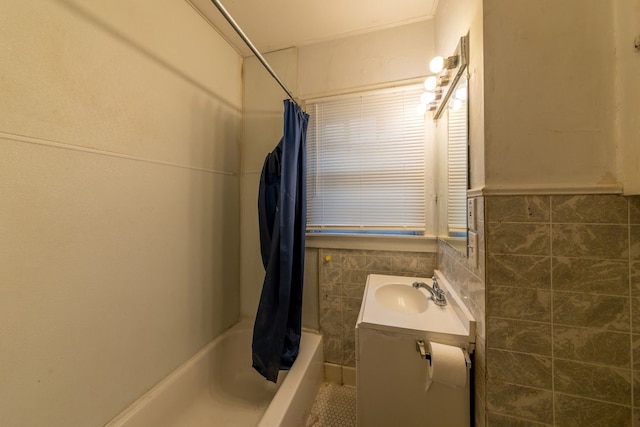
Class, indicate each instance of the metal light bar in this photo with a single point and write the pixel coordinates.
(242, 35)
(462, 52)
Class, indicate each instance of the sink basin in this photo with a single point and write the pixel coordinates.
(391, 304)
(402, 298)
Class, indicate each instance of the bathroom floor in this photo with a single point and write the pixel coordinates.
(335, 406)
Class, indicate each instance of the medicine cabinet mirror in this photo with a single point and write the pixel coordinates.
(452, 140)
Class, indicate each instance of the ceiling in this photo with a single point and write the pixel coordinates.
(279, 24)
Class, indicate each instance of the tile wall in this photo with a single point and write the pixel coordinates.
(556, 295)
(562, 310)
(342, 280)
(469, 282)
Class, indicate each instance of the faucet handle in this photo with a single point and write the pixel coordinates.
(436, 286)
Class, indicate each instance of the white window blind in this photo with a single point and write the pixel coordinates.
(366, 162)
(457, 169)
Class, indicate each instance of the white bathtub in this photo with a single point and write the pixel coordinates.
(218, 387)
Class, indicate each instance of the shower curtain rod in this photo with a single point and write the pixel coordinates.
(242, 35)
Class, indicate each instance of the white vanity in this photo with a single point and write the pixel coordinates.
(412, 356)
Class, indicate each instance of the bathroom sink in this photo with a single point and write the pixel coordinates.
(402, 298)
(391, 303)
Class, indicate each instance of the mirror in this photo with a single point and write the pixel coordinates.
(452, 141)
(457, 181)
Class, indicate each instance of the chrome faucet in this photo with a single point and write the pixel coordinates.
(436, 292)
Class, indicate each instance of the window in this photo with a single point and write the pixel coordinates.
(366, 163)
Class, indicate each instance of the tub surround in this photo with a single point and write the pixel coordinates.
(218, 385)
(120, 207)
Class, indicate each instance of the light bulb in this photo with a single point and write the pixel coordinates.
(437, 64)
(427, 97)
(461, 93)
(431, 83)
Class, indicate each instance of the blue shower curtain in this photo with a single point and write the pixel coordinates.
(282, 220)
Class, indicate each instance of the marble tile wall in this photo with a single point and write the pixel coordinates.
(469, 282)
(563, 310)
(341, 286)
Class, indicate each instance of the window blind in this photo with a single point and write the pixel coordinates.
(457, 169)
(366, 162)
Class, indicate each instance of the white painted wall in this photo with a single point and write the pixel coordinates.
(362, 61)
(627, 28)
(554, 94)
(549, 93)
(119, 221)
(452, 20)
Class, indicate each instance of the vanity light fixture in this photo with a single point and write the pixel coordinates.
(443, 80)
(436, 65)
(427, 97)
(431, 83)
(439, 63)
(447, 73)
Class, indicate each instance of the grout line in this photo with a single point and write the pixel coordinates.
(577, 361)
(561, 290)
(565, 394)
(513, 417)
(556, 223)
(629, 272)
(551, 314)
(595, 258)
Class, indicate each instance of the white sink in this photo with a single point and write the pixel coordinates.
(390, 303)
(402, 298)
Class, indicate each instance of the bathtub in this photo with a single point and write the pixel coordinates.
(218, 387)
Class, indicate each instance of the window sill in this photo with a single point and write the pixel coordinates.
(372, 242)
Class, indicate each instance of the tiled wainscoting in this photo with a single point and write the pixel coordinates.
(563, 310)
(342, 280)
(556, 295)
(469, 282)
